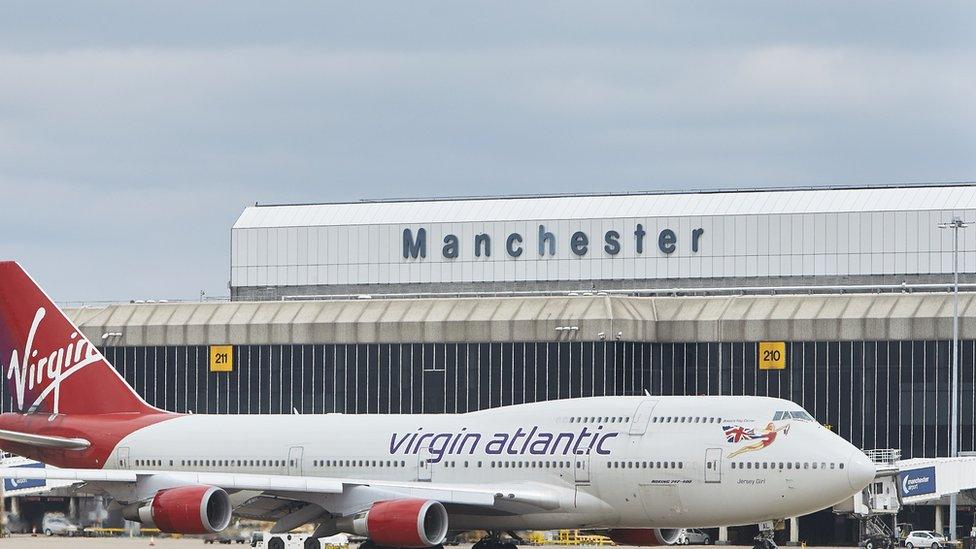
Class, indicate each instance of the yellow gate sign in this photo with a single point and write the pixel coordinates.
(221, 358)
(772, 355)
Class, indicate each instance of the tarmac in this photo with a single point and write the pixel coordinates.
(43, 542)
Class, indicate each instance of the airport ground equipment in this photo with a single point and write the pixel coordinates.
(295, 541)
(905, 482)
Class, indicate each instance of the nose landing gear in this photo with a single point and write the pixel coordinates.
(765, 538)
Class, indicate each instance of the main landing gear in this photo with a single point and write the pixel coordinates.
(765, 538)
(494, 541)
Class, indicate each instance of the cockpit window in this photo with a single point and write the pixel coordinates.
(793, 414)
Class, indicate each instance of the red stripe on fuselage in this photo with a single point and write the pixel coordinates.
(104, 431)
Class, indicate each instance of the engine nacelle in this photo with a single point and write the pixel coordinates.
(400, 523)
(184, 510)
(645, 537)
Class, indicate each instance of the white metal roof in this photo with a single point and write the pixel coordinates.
(870, 199)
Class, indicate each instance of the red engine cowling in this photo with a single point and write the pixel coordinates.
(184, 510)
(645, 537)
(400, 523)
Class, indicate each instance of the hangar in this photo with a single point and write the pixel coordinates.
(424, 306)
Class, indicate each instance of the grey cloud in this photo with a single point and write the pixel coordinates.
(132, 136)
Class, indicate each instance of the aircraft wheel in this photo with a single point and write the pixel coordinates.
(276, 543)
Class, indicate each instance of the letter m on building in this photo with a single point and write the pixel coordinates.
(414, 248)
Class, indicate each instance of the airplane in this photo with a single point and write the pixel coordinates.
(637, 468)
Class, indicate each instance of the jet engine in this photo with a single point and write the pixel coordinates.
(184, 510)
(405, 522)
(645, 537)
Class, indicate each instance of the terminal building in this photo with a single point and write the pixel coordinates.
(836, 298)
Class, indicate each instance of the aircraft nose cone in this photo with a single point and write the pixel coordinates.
(860, 471)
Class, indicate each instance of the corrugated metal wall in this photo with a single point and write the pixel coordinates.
(877, 394)
(298, 246)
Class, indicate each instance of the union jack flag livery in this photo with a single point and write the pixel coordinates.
(735, 433)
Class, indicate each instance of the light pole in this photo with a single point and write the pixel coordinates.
(956, 224)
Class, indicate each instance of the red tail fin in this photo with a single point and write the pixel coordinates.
(52, 366)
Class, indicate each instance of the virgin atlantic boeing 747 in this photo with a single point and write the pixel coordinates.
(638, 468)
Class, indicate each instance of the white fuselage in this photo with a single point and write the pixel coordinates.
(611, 462)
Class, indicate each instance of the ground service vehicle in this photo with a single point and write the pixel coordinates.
(55, 524)
(924, 539)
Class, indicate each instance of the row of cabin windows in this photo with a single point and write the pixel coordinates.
(216, 462)
(597, 419)
(529, 464)
(685, 419)
(786, 465)
(645, 465)
(357, 463)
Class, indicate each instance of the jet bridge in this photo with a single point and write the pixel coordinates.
(13, 487)
(905, 482)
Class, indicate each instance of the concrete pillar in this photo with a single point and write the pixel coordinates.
(795, 531)
(938, 519)
(15, 506)
(73, 508)
(723, 535)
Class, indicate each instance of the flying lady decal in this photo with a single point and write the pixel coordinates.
(735, 434)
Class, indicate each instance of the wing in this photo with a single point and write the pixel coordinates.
(305, 499)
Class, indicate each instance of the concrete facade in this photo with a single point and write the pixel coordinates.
(854, 317)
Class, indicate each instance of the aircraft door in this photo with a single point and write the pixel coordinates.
(582, 468)
(424, 465)
(713, 465)
(295, 460)
(123, 458)
(638, 425)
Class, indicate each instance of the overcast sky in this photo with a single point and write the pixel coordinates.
(133, 134)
